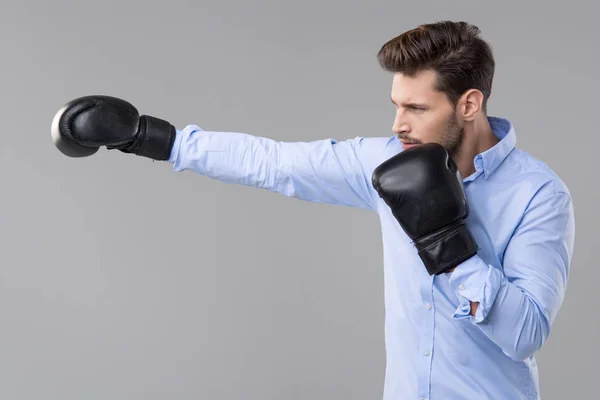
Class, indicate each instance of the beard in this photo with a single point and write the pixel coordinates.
(452, 137)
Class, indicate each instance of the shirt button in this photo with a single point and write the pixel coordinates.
(427, 352)
(461, 287)
(428, 306)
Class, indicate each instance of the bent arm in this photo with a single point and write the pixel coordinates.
(324, 171)
(515, 308)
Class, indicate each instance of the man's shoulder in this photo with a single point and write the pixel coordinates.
(379, 142)
(534, 173)
(372, 151)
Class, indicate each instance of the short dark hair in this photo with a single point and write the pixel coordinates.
(455, 50)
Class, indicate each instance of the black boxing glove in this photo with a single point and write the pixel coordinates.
(424, 190)
(85, 124)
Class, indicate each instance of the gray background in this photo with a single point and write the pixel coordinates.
(122, 279)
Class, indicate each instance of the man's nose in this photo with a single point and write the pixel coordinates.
(400, 125)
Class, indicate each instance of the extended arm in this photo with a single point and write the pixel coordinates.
(325, 171)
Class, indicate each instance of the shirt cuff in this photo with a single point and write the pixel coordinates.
(471, 282)
(176, 146)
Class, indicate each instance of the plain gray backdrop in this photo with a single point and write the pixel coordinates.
(122, 279)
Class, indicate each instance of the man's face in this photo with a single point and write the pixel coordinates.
(422, 114)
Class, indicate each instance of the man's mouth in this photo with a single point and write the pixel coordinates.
(408, 145)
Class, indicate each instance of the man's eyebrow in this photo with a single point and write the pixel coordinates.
(415, 105)
(410, 104)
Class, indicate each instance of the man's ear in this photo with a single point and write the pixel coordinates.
(470, 104)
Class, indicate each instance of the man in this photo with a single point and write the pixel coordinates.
(478, 235)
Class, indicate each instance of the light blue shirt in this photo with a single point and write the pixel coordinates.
(521, 215)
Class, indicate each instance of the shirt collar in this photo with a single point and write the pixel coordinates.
(488, 161)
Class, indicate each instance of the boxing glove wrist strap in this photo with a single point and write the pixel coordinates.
(446, 248)
(155, 139)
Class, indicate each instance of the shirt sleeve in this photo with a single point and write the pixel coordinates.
(322, 171)
(519, 301)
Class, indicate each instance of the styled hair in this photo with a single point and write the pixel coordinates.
(454, 50)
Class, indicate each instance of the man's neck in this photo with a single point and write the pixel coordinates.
(478, 137)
